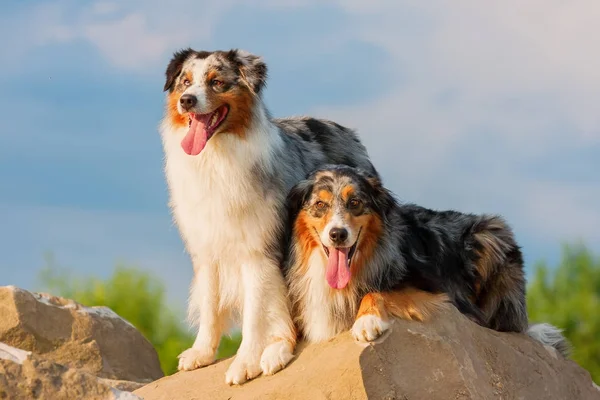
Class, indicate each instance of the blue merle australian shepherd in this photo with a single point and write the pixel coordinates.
(358, 258)
(229, 166)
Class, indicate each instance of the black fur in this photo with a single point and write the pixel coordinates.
(251, 67)
(176, 63)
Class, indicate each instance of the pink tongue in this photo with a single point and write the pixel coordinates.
(338, 271)
(195, 140)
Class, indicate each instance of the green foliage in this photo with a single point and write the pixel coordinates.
(568, 296)
(139, 297)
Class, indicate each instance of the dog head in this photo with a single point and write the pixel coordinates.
(339, 211)
(212, 92)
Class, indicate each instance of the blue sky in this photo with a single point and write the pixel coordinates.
(472, 106)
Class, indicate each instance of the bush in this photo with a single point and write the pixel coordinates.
(568, 296)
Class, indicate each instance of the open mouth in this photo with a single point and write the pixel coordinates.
(201, 128)
(339, 261)
(351, 251)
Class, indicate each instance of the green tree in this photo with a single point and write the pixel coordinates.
(139, 297)
(568, 296)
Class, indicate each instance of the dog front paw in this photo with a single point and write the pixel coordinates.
(242, 369)
(192, 358)
(368, 328)
(276, 356)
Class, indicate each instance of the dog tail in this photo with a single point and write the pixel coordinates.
(549, 335)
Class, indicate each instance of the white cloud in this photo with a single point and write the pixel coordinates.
(128, 42)
(129, 35)
(475, 92)
(492, 54)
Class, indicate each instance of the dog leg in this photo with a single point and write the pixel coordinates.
(267, 336)
(246, 364)
(373, 318)
(203, 312)
(414, 304)
(281, 331)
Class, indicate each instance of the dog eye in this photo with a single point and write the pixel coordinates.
(354, 203)
(216, 82)
(320, 205)
(186, 82)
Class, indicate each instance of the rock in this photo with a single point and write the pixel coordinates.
(24, 375)
(55, 348)
(127, 386)
(89, 339)
(447, 358)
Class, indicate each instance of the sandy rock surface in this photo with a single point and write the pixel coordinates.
(449, 358)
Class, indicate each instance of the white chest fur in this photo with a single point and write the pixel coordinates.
(220, 208)
(325, 311)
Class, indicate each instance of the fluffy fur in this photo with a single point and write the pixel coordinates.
(404, 261)
(229, 166)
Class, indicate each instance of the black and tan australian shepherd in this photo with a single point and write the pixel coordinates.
(358, 258)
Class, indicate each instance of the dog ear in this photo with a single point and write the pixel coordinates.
(253, 69)
(174, 67)
(375, 183)
(297, 197)
(381, 198)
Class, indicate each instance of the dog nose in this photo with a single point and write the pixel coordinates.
(188, 101)
(338, 235)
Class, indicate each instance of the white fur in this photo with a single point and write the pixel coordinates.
(326, 312)
(197, 87)
(225, 223)
(551, 336)
(337, 221)
(369, 327)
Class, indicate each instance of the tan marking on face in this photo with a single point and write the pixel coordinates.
(372, 227)
(210, 75)
(186, 75)
(306, 237)
(325, 196)
(177, 120)
(318, 224)
(347, 192)
(241, 104)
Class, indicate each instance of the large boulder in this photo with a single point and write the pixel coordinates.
(447, 358)
(55, 348)
(91, 339)
(24, 375)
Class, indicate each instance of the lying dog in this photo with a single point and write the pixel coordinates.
(358, 258)
(229, 167)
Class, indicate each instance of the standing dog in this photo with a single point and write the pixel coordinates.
(229, 167)
(358, 258)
